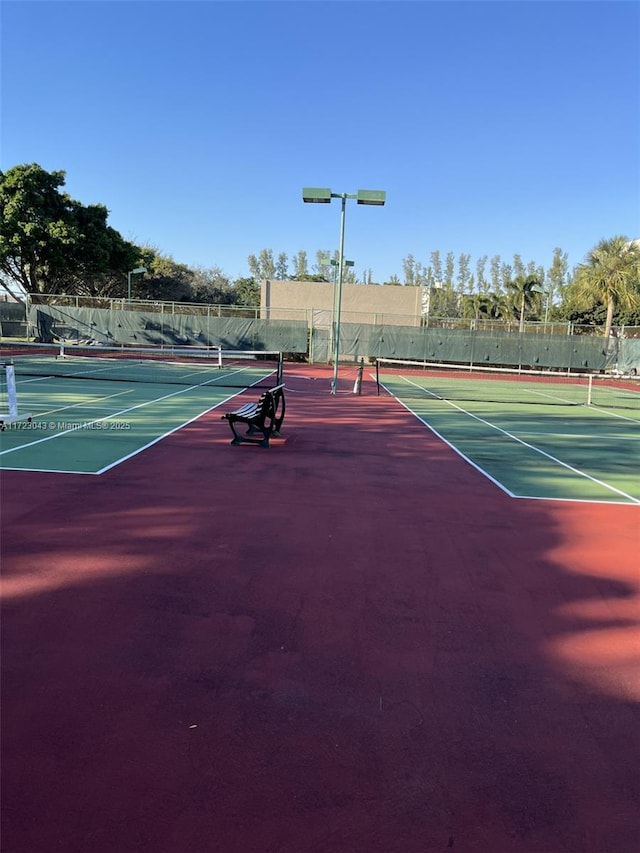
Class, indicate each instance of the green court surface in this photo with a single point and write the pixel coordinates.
(91, 408)
(554, 446)
(560, 450)
(87, 427)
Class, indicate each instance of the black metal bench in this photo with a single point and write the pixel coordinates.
(263, 418)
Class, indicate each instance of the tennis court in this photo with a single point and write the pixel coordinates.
(533, 435)
(93, 408)
(352, 641)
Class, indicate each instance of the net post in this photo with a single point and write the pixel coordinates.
(357, 385)
(12, 399)
(9, 393)
(378, 376)
(280, 368)
(590, 389)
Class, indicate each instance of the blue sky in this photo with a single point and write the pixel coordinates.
(494, 127)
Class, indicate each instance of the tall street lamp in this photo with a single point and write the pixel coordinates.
(326, 262)
(129, 274)
(323, 195)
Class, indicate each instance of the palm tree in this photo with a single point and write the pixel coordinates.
(475, 305)
(610, 275)
(522, 288)
(498, 307)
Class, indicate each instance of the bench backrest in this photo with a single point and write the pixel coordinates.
(269, 399)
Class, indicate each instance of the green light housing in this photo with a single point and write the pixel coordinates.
(377, 197)
(316, 195)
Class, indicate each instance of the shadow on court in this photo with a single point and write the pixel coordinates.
(349, 643)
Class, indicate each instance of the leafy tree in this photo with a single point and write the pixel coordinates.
(246, 292)
(409, 269)
(449, 267)
(609, 276)
(481, 265)
(322, 266)
(282, 271)
(556, 278)
(500, 307)
(267, 265)
(349, 275)
(99, 259)
(518, 266)
(165, 280)
(436, 266)
(300, 266)
(34, 226)
(254, 267)
(496, 283)
(523, 290)
(421, 274)
(429, 277)
(50, 243)
(262, 266)
(506, 275)
(476, 305)
(464, 273)
(211, 286)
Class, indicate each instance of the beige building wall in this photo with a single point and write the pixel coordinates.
(361, 303)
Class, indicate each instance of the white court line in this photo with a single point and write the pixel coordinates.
(573, 435)
(116, 415)
(513, 438)
(129, 455)
(163, 436)
(614, 414)
(23, 380)
(47, 471)
(86, 404)
(469, 461)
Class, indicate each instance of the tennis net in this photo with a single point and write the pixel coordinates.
(428, 380)
(210, 366)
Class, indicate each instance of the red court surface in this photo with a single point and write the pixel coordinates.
(351, 642)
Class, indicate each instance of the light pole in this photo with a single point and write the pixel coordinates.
(547, 293)
(323, 195)
(129, 274)
(326, 262)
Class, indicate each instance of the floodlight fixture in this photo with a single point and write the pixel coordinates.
(316, 195)
(325, 262)
(323, 195)
(374, 197)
